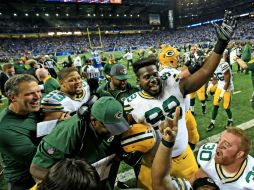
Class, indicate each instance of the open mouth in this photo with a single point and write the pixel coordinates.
(35, 104)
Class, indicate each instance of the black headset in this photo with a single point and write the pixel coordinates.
(83, 111)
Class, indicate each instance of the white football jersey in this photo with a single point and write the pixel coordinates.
(242, 180)
(219, 74)
(181, 184)
(71, 105)
(151, 110)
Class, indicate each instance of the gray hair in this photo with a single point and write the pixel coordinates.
(11, 86)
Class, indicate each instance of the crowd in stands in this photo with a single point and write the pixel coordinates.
(12, 47)
(71, 132)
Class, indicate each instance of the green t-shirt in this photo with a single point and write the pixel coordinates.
(70, 139)
(18, 143)
(50, 85)
(119, 95)
(19, 68)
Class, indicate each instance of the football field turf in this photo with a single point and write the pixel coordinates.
(240, 106)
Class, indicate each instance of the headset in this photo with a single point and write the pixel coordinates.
(83, 111)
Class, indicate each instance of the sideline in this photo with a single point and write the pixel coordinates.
(128, 175)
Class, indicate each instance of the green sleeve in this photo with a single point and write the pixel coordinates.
(47, 155)
(62, 141)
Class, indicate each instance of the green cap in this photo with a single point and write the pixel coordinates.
(110, 112)
(119, 72)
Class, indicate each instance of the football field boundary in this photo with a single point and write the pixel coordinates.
(128, 175)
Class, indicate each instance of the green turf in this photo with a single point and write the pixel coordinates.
(240, 106)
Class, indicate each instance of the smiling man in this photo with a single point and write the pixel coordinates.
(18, 140)
(159, 97)
(228, 162)
(73, 91)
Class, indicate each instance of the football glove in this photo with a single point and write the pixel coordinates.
(224, 32)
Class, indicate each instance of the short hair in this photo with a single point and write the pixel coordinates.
(7, 66)
(245, 140)
(11, 86)
(143, 63)
(65, 72)
(32, 62)
(71, 174)
(41, 72)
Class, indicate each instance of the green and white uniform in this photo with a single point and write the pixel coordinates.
(71, 105)
(181, 184)
(148, 109)
(242, 180)
(219, 74)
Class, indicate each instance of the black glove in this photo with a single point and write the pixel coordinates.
(196, 62)
(224, 32)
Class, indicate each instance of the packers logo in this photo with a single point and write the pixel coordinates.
(119, 115)
(169, 53)
(123, 71)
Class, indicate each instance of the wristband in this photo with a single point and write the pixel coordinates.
(167, 144)
(220, 46)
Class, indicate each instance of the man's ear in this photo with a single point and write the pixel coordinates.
(138, 81)
(240, 154)
(13, 98)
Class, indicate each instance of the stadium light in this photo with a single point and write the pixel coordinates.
(37, 14)
(110, 15)
(130, 15)
(26, 14)
(0, 13)
(138, 15)
(124, 15)
(57, 14)
(46, 14)
(117, 15)
(88, 14)
(94, 14)
(67, 14)
(14, 14)
(102, 15)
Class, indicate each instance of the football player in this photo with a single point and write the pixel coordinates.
(159, 97)
(168, 59)
(73, 91)
(193, 57)
(224, 93)
(228, 162)
(160, 174)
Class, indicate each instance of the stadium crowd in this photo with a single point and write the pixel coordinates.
(69, 128)
(14, 47)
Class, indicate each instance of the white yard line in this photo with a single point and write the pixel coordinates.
(237, 92)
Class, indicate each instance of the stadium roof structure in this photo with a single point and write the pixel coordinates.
(194, 11)
(129, 7)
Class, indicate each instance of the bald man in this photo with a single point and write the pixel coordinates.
(49, 82)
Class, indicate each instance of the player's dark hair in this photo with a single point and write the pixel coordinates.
(63, 74)
(143, 63)
(71, 174)
(11, 86)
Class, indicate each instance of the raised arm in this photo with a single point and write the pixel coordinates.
(160, 172)
(224, 33)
